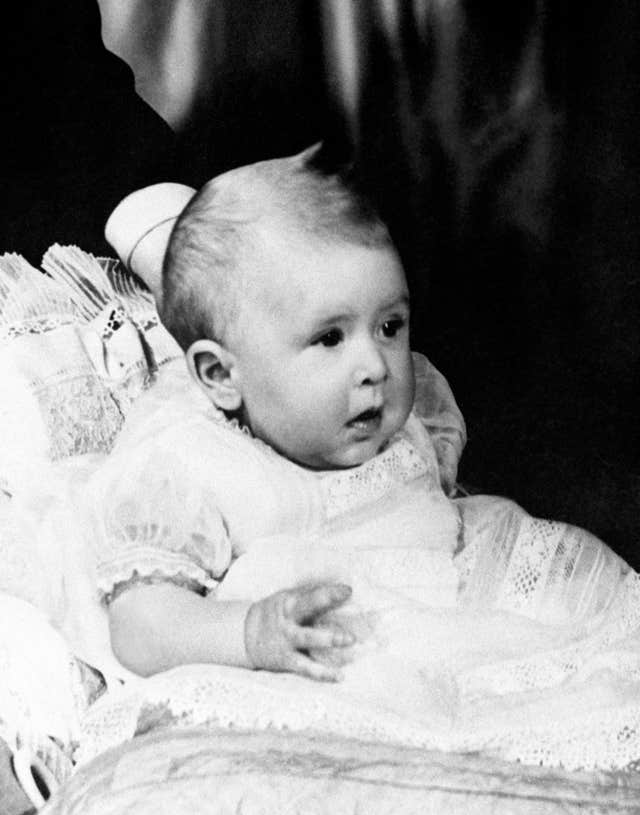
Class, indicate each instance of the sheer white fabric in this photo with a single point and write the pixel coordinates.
(436, 406)
(477, 677)
(77, 348)
(525, 643)
(478, 627)
(185, 493)
(75, 351)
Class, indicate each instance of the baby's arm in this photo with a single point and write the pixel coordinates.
(157, 627)
(157, 500)
(436, 408)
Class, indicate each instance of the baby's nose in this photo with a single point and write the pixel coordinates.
(372, 366)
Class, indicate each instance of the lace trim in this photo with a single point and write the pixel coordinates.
(609, 741)
(30, 302)
(77, 288)
(80, 382)
(530, 562)
(345, 490)
(238, 699)
(544, 570)
(229, 698)
(156, 579)
(549, 669)
(142, 564)
(103, 285)
(93, 283)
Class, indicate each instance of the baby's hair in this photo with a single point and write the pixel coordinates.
(204, 281)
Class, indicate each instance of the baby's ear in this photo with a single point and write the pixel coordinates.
(212, 367)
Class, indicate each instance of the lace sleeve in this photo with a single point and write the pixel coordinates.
(157, 522)
(436, 406)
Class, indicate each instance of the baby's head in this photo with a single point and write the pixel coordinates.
(289, 299)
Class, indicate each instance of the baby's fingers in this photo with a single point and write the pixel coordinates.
(305, 666)
(307, 639)
(307, 603)
(334, 657)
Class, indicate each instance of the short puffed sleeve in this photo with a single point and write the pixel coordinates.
(156, 518)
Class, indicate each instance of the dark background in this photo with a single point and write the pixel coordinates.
(498, 139)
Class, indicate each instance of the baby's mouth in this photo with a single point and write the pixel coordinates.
(367, 421)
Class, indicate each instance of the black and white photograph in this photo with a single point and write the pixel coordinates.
(320, 407)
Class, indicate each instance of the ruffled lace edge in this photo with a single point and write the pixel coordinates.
(147, 566)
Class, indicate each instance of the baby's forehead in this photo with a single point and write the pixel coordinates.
(284, 237)
(286, 266)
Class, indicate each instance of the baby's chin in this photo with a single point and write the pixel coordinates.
(351, 455)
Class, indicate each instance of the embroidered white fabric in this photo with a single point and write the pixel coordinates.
(75, 352)
(536, 658)
(568, 697)
(77, 346)
(173, 500)
(346, 490)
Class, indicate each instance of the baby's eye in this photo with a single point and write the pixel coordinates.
(330, 338)
(391, 327)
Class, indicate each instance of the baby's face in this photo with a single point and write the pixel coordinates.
(323, 356)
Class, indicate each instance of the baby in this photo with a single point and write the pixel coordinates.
(277, 502)
(289, 299)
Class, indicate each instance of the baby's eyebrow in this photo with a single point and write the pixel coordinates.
(325, 319)
(403, 301)
(329, 318)
(320, 322)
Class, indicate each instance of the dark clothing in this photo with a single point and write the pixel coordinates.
(76, 137)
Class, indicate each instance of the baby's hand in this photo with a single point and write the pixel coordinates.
(279, 631)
